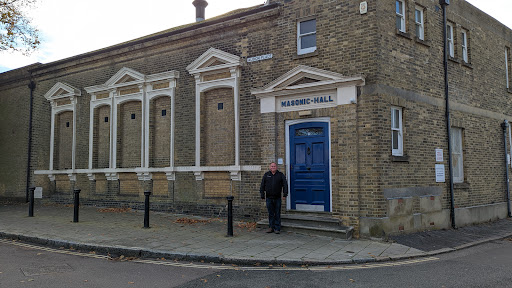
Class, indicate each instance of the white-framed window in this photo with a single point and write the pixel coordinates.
(457, 161)
(464, 41)
(420, 22)
(397, 139)
(508, 67)
(306, 36)
(449, 38)
(400, 15)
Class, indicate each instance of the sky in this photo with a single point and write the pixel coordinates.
(69, 28)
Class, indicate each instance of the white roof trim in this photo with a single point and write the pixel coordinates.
(229, 60)
(70, 91)
(326, 79)
(139, 78)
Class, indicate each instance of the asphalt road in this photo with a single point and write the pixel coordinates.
(487, 265)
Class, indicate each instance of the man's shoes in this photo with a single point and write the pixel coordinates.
(270, 230)
(277, 232)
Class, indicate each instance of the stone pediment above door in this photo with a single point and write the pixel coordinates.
(305, 88)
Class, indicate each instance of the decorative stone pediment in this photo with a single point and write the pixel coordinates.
(125, 76)
(62, 91)
(213, 59)
(305, 87)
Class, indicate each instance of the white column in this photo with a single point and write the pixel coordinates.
(91, 133)
(113, 130)
(143, 130)
(236, 95)
(173, 91)
(52, 136)
(73, 147)
(198, 122)
(146, 100)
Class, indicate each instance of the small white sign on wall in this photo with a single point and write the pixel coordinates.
(440, 176)
(363, 7)
(38, 193)
(439, 155)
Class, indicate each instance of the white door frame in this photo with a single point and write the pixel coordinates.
(289, 123)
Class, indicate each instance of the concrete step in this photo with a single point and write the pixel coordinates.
(312, 225)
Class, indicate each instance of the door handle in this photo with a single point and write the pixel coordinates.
(309, 168)
(309, 150)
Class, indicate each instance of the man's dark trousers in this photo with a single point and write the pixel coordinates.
(274, 213)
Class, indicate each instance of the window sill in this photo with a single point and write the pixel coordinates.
(403, 34)
(468, 65)
(422, 42)
(463, 186)
(307, 55)
(454, 59)
(404, 158)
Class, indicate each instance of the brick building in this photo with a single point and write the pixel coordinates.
(348, 97)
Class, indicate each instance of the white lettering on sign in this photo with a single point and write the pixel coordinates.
(259, 58)
(307, 101)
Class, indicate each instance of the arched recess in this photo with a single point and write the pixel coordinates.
(217, 127)
(129, 134)
(160, 131)
(101, 136)
(63, 140)
(214, 71)
(63, 100)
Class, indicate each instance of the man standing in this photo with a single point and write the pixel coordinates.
(272, 184)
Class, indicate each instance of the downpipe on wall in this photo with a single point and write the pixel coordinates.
(505, 125)
(443, 4)
(32, 87)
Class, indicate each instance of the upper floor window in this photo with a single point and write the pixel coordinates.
(306, 36)
(457, 161)
(464, 41)
(400, 15)
(397, 140)
(449, 38)
(420, 23)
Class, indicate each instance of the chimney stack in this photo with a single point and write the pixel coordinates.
(200, 5)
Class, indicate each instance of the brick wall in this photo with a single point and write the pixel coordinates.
(129, 134)
(159, 132)
(63, 146)
(218, 128)
(101, 137)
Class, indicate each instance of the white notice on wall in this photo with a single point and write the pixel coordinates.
(38, 192)
(440, 177)
(439, 155)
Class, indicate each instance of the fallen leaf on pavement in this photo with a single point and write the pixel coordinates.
(352, 280)
(131, 282)
(114, 210)
(204, 280)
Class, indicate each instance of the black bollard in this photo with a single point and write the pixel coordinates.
(31, 201)
(230, 215)
(146, 209)
(77, 203)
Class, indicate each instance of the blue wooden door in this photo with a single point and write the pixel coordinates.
(309, 167)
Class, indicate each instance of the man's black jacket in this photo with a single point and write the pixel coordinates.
(273, 184)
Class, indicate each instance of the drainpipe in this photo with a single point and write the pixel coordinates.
(32, 86)
(443, 4)
(505, 126)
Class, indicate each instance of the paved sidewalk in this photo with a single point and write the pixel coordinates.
(185, 237)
